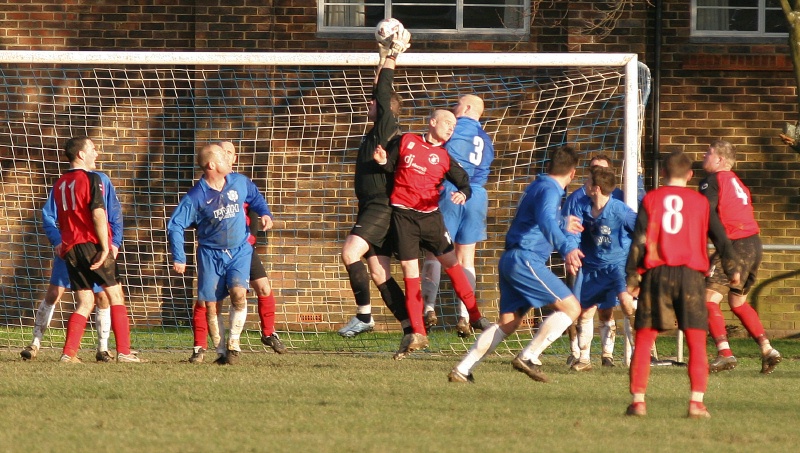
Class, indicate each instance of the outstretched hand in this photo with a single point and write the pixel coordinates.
(400, 43)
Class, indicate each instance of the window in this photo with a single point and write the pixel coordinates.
(738, 18)
(493, 17)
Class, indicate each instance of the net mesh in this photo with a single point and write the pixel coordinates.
(297, 130)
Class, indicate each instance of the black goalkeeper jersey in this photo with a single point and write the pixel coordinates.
(371, 181)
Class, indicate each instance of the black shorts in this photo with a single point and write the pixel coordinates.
(413, 230)
(257, 269)
(79, 259)
(373, 221)
(748, 259)
(670, 297)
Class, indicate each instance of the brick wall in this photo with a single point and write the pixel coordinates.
(743, 93)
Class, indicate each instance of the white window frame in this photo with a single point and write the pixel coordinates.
(458, 30)
(760, 33)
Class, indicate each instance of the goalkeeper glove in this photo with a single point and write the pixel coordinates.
(400, 43)
(383, 51)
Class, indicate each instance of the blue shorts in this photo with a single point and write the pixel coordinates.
(527, 283)
(600, 287)
(218, 270)
(466, 223)
(59, 276)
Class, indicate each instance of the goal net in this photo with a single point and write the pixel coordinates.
(297, 120)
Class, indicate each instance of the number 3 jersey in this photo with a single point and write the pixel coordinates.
(76, 194)
(730, 203)
(671, 229)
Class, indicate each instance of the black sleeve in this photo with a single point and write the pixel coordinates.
(638, 249)
(716, 231)
(97, 200)
(385, 127)
(459, 177)
(392, 151)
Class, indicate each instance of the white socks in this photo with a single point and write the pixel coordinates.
(608, 335)
(585, 335)
(486, 343)
(431, 276)
(44, 313)
(237, 320)
(103, 320)
(549, 331)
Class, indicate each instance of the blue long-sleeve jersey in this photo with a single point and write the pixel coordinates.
(218, 216)
(113, 211)
(605, 240)
(471, 147)
(537, 224)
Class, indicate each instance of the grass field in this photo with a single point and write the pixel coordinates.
(302, 402)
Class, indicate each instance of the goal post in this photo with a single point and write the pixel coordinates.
(297, 120)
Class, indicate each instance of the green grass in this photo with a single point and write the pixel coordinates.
(368, 402)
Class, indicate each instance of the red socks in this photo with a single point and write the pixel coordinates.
(266, 312)
(698, 359)
(200, 326)
(414, 304)
(121, 328)
(463, 289)
(716, 327)
(75, 327)
(716, 323)
(640, 363)
(750, 320)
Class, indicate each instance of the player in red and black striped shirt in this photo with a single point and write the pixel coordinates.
(420, 164)
(668, 258)
(85, 238)
(732, 216)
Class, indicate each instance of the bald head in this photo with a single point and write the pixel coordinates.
(210, 153)
(470, 106)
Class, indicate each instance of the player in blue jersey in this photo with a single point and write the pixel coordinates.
(525, 280)
(59, 278)
(205, 319)
(471, 147)
(215, 208)
(600, 285)
(581, 196)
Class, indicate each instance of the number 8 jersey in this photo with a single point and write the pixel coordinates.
(671, 229)
(76, 194)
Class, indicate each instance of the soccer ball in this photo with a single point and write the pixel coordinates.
(386, 31)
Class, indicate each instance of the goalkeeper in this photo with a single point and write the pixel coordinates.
(368, 237)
